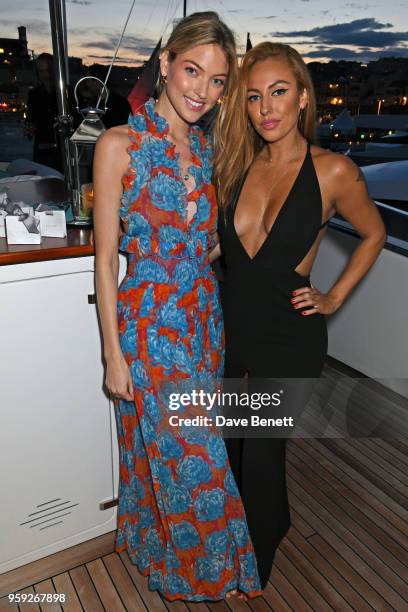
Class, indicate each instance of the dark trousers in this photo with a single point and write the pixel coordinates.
(259, 468)
(258, 465)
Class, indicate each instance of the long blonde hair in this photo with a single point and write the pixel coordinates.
(240, 142)
(206, 28)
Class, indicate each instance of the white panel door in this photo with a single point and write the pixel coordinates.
(55, 421)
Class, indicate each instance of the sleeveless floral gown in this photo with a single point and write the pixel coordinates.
(180, 515)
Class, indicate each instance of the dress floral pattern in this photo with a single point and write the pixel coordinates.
(180, 515)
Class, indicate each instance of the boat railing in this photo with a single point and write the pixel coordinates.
(396, 223)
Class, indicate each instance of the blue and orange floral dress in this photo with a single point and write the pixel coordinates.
(180, 515)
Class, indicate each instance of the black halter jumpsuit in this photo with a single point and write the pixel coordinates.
(266, 337)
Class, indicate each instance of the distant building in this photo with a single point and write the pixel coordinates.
(16, 73)
(13, 51)
(361, 88)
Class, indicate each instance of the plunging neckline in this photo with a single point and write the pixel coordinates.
(164, 128)
(282, 207)
(180, 175)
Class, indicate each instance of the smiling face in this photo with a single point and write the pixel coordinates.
(195, 80)
(274, 100)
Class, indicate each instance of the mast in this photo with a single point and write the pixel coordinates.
(64, 120)
(184, 8)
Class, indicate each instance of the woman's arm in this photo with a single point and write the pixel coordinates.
(355, 206)
(350, 198)
(108, 168)
(214, 253)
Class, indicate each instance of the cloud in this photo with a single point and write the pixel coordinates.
(360, 32)
(107, 58)
(35, 26)
(141, 44)
(359, 7)
(334, 53)
(361, 55)
(298, 42)
(97, 44)
(135, 44)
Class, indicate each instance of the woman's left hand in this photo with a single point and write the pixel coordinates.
(322, 303)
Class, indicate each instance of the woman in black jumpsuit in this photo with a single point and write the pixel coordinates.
(266, 337)
(268, 334)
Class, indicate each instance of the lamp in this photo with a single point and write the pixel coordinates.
(82, 144)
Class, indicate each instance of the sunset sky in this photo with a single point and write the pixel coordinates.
(361, 31)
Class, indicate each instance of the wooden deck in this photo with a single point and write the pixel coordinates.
(347, 548)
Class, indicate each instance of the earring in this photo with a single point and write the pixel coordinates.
(300, 117)
(163, 78)
(220, 100)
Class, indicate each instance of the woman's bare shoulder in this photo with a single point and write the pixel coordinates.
(114, 139)
(112, 148)
(334, 165)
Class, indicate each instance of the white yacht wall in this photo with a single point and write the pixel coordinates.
(370, 331)
(59, 456)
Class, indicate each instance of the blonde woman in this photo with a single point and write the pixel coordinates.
(277, 191)
(180, 515)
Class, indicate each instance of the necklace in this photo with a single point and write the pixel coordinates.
(185, 173)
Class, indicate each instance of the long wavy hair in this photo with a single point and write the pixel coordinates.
(239, 142)
(205, 28)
